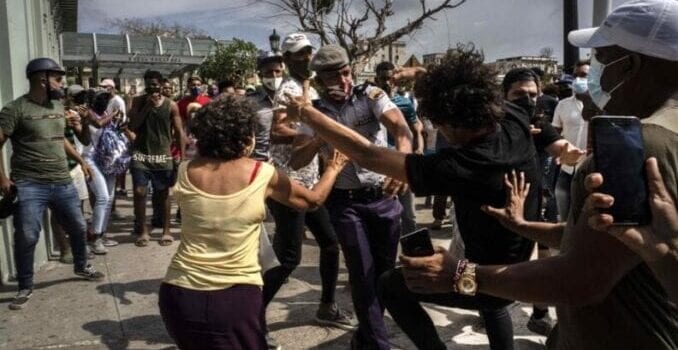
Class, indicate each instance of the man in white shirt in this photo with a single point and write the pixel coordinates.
(116, 102)
(568, 120)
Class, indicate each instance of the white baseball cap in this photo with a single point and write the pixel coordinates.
(295, 42)
(107, 83)
(649, 27)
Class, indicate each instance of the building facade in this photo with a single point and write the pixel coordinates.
(548, 64)
(395, 53)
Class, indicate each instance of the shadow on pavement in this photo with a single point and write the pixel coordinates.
(119, 290)
(147, 329)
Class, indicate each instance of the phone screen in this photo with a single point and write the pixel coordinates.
(620, 158)
(417, 243)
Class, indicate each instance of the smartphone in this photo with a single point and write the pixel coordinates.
(417, 243)
(620, 157)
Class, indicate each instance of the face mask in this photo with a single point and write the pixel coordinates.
(340, 92)
(301, 69)
(52, 94)
(195, 91)
(599, 96)
(55, 94)
(527, 104)
(580, 86)
(272, 83)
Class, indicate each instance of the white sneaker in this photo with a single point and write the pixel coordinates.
(98, 247)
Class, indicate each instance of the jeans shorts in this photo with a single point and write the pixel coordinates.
(160, 179)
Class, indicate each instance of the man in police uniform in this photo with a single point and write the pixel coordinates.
(363, 208)
(40, 177)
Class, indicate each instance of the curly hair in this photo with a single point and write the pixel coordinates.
(461, 91)
(224, 127)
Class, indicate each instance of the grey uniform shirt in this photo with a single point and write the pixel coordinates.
(262, 135)
(362, 113)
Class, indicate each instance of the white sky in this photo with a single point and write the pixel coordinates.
(502, 28)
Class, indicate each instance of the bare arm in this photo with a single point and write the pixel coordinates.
(5, 182)
(512, 215)
(360, 150)
(304, 148)
(177, 124)
(417, 130)
(291, 193)
(73, 154)
(396, 125)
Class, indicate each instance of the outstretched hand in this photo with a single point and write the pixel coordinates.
(652, 242)
(337, 160)
(511, 215)
(570, 155)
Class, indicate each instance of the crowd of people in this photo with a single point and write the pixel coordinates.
(315, 150)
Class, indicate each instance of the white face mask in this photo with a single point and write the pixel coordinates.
(272, 83)
(599, 96)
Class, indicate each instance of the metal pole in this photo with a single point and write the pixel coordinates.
(601, 8)
(570, 23)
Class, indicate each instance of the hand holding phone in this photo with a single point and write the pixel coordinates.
(620, 157)
(417, 243)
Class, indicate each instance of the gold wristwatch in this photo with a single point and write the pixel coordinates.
(466, 284)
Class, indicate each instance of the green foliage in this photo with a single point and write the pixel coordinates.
(236, 61)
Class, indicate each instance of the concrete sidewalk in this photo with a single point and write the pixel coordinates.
(121, 312)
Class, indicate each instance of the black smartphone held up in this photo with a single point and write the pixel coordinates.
(417, 243)
(620, 157)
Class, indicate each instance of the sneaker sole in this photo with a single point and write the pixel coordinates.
(17, 307)
(334, 324)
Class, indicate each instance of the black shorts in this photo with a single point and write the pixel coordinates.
(160, 179)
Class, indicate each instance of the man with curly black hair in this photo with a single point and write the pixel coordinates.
(488, 139)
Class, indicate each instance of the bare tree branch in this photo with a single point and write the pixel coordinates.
(342, 22)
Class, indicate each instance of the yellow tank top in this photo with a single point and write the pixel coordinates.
(219, 234)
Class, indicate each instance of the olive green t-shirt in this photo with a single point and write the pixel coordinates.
(37, 135)
(151, 148)
(637, 314)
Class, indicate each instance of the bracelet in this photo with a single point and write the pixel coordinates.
(461, 266)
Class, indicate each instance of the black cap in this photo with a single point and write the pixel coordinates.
(43, 64)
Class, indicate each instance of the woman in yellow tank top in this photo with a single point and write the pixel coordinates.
(211, 295)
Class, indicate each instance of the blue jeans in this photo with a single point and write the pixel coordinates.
(102, 186)
(33, 199)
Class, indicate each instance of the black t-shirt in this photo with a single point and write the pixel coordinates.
(474, 175)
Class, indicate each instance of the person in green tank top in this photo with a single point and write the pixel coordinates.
(40, 178)
(154, 120)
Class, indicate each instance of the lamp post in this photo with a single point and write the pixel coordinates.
(274, 40)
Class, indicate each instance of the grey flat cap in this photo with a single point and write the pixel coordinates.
(74, 89)
(329, 57)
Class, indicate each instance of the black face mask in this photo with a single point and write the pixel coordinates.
(527, 104)
(300, 68)
(55, 94)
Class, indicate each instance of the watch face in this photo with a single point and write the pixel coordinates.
(468, 285)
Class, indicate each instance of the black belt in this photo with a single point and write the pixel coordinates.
(363, 194)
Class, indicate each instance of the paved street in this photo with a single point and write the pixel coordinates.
(121, 312)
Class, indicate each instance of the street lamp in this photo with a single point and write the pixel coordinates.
(274, 40)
